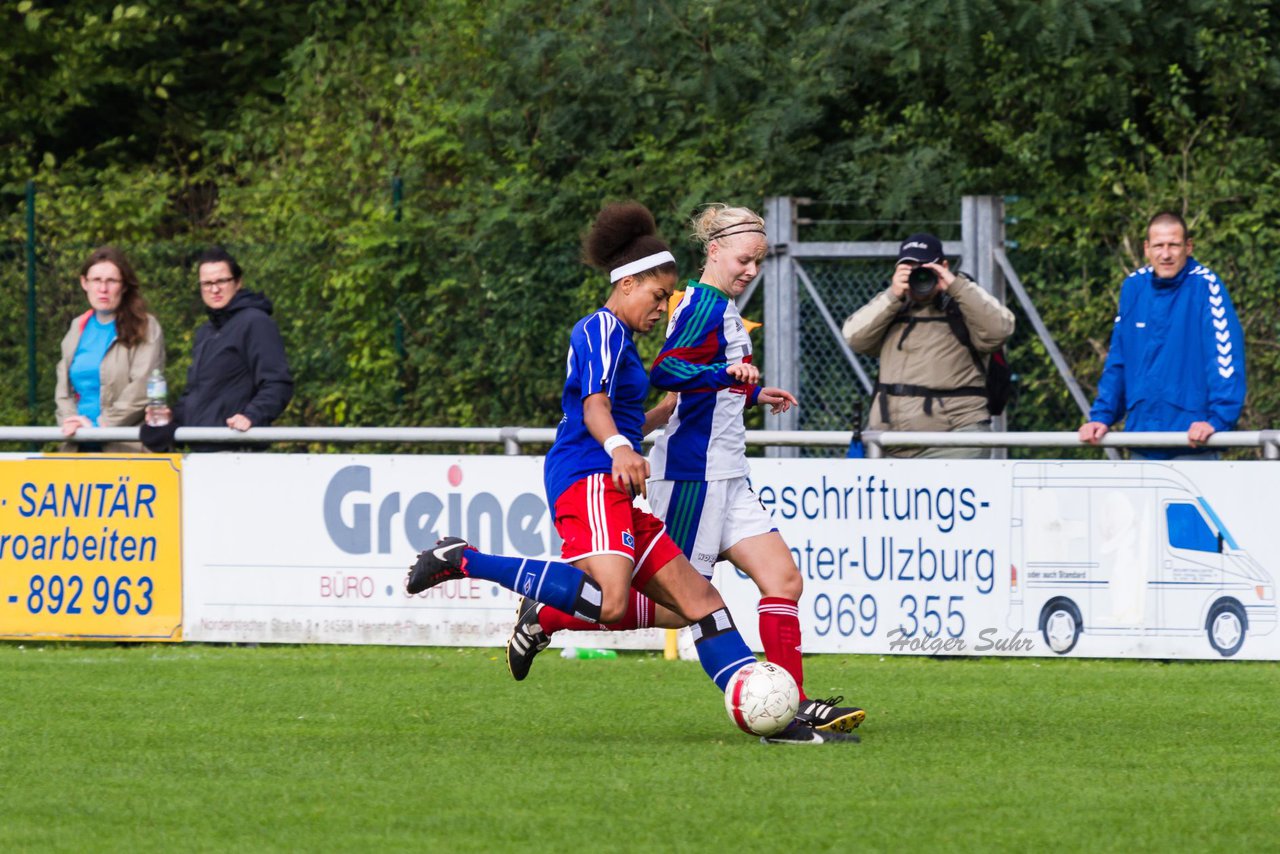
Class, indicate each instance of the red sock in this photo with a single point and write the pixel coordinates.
(780, 635)
(639, 616)
(553, 621)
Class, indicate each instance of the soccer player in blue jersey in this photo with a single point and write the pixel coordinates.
(699, 469)
(594, 469)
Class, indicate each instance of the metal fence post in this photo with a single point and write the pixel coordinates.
(1271, 444)
(781, 313)
(397, 199)
(981, 234)
(31, 300)
(510, 441)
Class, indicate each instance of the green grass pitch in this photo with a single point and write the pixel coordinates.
(194, 748)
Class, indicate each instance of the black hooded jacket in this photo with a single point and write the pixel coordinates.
(237, 366)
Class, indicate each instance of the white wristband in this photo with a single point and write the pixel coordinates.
(614, 442)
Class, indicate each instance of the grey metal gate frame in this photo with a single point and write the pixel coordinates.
(980, 249)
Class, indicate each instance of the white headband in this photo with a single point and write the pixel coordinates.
(646, 263)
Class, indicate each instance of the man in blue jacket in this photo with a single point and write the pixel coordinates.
(1177, 350)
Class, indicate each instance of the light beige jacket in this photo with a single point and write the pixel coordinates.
(123, 374)
(929, 356)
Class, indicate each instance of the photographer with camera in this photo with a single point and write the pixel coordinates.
(931, 377)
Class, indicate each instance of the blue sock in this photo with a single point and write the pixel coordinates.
(721, 649)
(563, 587)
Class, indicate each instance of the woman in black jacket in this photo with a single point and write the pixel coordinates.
(239, 376)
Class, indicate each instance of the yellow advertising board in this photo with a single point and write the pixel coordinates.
(91, 547)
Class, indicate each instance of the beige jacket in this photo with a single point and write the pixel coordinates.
(123, 374)
(930, 356)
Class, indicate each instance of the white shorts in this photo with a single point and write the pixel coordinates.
(706, 518)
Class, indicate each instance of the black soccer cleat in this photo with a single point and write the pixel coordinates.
(799, 733)
(438, 564)
(829, 716)
(527, 639)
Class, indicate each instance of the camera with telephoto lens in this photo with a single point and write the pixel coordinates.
(921, 281)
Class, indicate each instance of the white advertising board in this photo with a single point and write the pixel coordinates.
(915, 557)
(1144, 560)
(314, 549)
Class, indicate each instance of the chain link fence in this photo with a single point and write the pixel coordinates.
(833, 394)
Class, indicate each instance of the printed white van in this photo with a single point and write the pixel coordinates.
(1128, 549)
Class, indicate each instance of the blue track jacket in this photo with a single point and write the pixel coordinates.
(1177, 355)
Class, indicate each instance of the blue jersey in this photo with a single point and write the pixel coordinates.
(705, 438)
(602, 358)
(1176, 357)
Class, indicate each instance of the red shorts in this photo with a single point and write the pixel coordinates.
(594, 517)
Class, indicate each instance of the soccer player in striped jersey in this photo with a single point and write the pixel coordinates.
(594, 469)
(699, 469)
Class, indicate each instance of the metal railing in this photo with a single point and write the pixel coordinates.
(1267, 440)
(513, 439)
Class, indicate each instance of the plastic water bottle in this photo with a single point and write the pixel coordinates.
(574, 652)
(157, 394)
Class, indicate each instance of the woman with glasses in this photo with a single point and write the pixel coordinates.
(108, 353)
(239, 376)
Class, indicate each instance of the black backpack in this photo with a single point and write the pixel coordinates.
(995, 369)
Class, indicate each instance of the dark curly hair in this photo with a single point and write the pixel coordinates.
(624, 232)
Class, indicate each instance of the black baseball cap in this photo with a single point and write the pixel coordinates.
(921, 248)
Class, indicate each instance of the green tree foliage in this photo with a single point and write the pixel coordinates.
(277, 129)
(110, 110)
